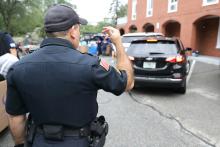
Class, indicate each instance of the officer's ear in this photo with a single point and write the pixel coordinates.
(72, 32)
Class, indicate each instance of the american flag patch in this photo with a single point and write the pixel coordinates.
(104, 64)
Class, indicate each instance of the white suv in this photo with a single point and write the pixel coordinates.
(128, 38)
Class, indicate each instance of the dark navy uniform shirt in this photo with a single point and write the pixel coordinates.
(58, 85)
(6, 43)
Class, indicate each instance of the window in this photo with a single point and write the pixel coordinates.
(172, 6)
(134, 9)
(149, 8)
(129, 39)
(143, 49)
(218, 38)
(209, 2)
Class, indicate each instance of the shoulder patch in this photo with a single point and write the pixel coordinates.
(104, 64)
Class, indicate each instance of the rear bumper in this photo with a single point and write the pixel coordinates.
(159, 82)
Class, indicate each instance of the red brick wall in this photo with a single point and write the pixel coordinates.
(207, 36)
(188, 13)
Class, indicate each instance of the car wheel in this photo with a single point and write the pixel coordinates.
(182, 89)
(188, 64)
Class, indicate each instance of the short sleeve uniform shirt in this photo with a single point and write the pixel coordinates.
(58, 84)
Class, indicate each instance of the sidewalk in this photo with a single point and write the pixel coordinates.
(206, 59)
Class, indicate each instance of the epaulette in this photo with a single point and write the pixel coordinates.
(88, 54)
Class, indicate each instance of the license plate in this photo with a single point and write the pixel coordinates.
(149, 65)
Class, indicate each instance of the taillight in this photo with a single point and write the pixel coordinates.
(131, 58)
(175, 59)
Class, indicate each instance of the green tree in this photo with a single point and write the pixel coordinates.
(123, 10)
(28, 22)
(21, 16)
(117, 10)
(94, 28)
(10, 9)
(47, 3)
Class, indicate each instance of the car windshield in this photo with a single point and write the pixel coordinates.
(129, 39)
(141, 49)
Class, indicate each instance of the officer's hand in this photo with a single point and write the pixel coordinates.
(113, 33)
(19, 145)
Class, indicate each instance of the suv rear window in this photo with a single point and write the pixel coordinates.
(129, 39)
(144, 48)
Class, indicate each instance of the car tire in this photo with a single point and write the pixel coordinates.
(182, 89)
(188, 65)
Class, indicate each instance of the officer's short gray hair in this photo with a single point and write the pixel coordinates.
(60, 33)
(57, 34)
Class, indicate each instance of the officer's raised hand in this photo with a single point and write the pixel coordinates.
(123, 62)
(113, 33)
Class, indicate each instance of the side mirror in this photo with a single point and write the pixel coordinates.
(188, 51)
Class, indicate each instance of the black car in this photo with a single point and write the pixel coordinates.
(159, 61)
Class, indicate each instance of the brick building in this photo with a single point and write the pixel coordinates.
(196, 22)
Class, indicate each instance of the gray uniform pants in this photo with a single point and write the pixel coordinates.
(39, 141)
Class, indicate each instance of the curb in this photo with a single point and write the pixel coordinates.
(206, 59)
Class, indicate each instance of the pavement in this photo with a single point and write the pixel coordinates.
(206, 59)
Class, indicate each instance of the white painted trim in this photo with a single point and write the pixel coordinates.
(170, 4)
(158, 25)
(206, 3)
(149, 8)
(218, 37)
(134, 10)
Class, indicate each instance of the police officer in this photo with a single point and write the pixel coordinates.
(8, 53)
(58, 85)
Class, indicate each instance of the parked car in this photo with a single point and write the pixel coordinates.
(159, 61)
(129, 37)
(3, 116)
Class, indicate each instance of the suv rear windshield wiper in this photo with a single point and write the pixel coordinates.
(155, 53)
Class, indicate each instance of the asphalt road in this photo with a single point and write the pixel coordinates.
(147, 117)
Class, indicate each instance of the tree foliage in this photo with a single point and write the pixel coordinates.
(10, 9)
(94, 28)
(117, 10)
(122, 10)
(22, 16)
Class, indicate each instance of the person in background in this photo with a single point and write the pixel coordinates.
(99, 45)
(8, 53)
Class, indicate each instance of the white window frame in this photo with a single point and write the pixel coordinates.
(172, 4)
(150, 5)
(134, 10)
(206, 3)
(218, 37)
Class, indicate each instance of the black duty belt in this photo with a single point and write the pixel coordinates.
(67, 131)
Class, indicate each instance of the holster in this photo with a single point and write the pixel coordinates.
(99, 131)
(30, 132)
